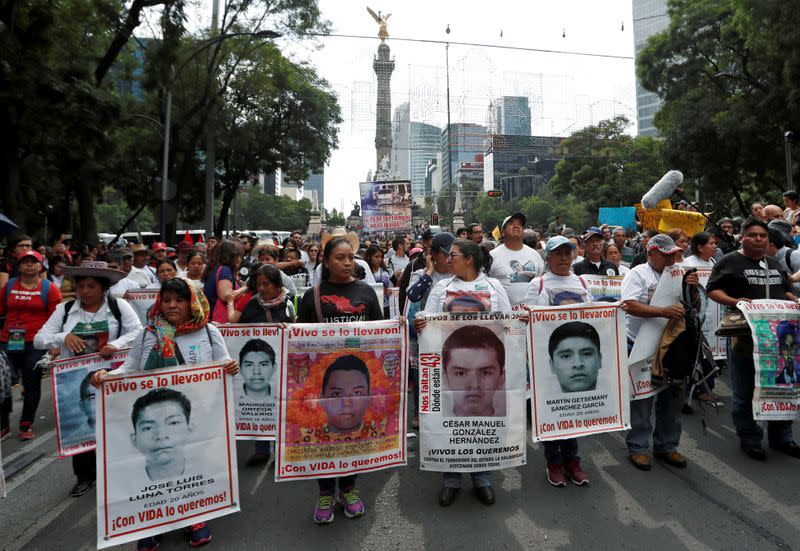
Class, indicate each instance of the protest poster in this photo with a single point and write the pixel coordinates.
(142, 300)
(259, 349)
(667, 293)
(386, 205)
(342, 403)
(607, 288)
(651, 217)
(74, 398)
(166, 453)
(394, 302)
(472, 392)
(579, 368)
(710, 319)
(689, 221)
(775, 328)
(618, 216)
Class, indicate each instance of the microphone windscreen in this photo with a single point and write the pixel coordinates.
(663, 189)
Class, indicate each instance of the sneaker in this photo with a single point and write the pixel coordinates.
(575, 473)
(555, 475)
(26, 435)
(147, 544)
(82, 488)
(199, 534)
(5, 434)
(323, 513)
(353, 506)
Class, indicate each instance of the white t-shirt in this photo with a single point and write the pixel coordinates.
(198, 347)
(142, 276)
(398, 263)
(484, 294)
(697, 262)
(515, 269)
(555, 290)
(623, 269)
(639, 284)
(125, 284)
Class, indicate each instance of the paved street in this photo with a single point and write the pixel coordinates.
(722, 501)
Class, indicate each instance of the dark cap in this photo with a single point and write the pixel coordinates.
(442, 242)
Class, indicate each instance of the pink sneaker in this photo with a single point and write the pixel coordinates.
(323, 513)
(555, 475)
(353, 506)
(26, 435)
(575, 473)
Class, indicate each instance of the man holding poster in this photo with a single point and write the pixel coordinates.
(637, 291)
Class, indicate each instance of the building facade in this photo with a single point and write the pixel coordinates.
(511, 115)
(465, 141)
(316, 183)
(511, 155)
(649, 18)
(401, 133)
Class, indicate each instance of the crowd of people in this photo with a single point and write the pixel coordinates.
(60, 300)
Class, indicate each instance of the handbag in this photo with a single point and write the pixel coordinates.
(733, 324)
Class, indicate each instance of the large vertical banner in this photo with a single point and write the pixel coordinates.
(386, 205)
(74, 398)
(472, 392)
(166, 452)
(775, 327)
(579, 368)
(142, 300)
(640, 360)
(342, 400)
(259, 350)
(711, 318)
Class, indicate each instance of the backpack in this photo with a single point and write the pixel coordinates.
(789, 252)
(113, 306)
(45, 290)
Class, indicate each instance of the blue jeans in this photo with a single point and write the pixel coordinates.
(479, 479)
(667, 431)
(559, 452)
(743, 383)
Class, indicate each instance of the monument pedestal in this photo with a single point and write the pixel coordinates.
(315, 223)
(458, 213)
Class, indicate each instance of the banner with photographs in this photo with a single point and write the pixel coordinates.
(166, 452)
(605, 288)
(142, 300)
(472, 392)
(386, 205)
(775, 326)
(640, 360)
(579, 368)
(74, 398)
(259, 350)
(711, 317)
(343, 399)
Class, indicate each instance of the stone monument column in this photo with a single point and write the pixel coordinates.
(384, 66)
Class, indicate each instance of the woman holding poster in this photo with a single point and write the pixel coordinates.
(561, 286)
(93, 322)
(469, 290)
(340, 297)
(178, 334)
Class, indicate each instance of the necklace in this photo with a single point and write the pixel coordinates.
(88, 324)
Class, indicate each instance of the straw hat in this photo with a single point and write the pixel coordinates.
(94, 268)
(352, 237)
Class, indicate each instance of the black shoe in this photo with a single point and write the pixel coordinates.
(485, 494)
(687, 409)
(447, 496)
(789, 448)
(81, 488)
(755, 452)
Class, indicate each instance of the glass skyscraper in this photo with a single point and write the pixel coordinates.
(649, 17)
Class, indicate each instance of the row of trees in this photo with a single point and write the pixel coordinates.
(82, 107)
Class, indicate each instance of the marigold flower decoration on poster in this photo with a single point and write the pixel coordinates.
(342, 403)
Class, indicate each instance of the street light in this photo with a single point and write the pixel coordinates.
(788, 137)
(165, 191)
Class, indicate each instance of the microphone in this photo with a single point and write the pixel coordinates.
(663, 189)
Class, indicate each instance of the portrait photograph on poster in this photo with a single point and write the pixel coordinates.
(342, 399)
(166, 454)
(579, 370)
(472, 392)
(258, 349)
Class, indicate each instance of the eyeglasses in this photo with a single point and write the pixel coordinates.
(477, 231)
(451, 255)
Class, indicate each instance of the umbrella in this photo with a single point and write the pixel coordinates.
(6, 225)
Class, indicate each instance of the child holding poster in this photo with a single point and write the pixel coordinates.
(561, 286)
(469, 290)
(340, 297)
(178, 334)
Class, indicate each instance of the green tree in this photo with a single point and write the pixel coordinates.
(728, 73)
(336, 218)
(606, 167)
(257, 210)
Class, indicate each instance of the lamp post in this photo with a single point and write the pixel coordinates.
(788, 137)
(449, 129)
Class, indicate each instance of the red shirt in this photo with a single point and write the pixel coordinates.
(24, 308)
(242, 301)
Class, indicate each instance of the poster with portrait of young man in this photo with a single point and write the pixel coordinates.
(74, 397)
(579, 369)
(166, 451)
(258, 348)
(472, 392)
(342, 404)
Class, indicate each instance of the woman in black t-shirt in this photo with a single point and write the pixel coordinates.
(340, 297)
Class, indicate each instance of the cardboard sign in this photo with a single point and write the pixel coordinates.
(688, 221)
(651, 217)
(618, 216)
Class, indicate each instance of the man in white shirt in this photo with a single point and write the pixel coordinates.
(140, 271)
(514, 264)
(637, 291)
(399, 259)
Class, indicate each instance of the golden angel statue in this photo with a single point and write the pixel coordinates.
(381, 20)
